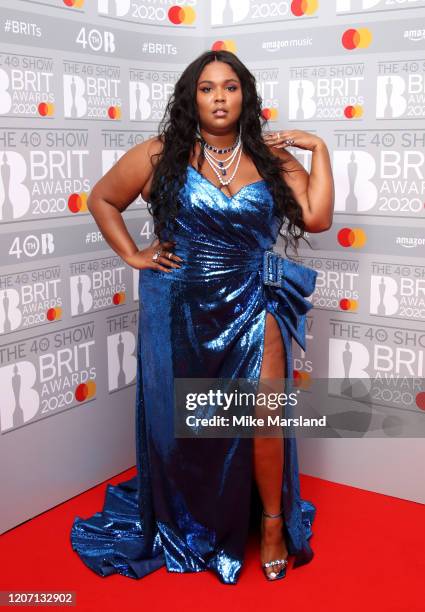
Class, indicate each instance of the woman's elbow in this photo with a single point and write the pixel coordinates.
(315, 226)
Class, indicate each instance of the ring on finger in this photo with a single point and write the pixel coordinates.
(156, 255)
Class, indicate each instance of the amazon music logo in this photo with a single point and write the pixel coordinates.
(122, 350)
(97, 284)
(337, 283)
(46, 375)
(400, 89)
(149, 91)
(365, 6)
(326, 92)
(91, 91)
(181, 12)
(26, 86)
(397, 291)
(43, 174)
(30, 298)
(383, 175)
(377, 364)
(247, 12)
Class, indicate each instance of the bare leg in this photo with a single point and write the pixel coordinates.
(268, 454)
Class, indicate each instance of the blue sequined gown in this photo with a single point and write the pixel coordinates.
(188, 507)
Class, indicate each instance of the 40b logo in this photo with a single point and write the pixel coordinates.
(96, 40)
(31, 245)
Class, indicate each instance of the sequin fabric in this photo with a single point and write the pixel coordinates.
(188, 507)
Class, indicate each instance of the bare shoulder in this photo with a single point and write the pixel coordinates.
(144, 154)
(130, 175)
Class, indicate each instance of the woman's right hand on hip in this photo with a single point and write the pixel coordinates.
(165, 261)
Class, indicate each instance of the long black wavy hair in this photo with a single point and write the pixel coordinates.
(177, 132)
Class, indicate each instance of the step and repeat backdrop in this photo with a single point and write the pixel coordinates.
(81, 82)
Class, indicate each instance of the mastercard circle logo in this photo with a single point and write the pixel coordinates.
(303, 7)
(54, 314)
(269, 113)
(351, 237)
(114, 112)
(346, 304)
(353, 112)
(420, 400)
(77, 202)
(85, 391)
(74, 3)
(181, 15)
(224, 45)
(302, 380)
(119, 298)
(360, 38)
(46, 109)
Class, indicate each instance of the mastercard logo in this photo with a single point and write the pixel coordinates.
(85, 391)
(353, 112)
(46, 109)
(181, 15)
(114, 112)
(302, 380)
(119, 298)
(360, 38)
(77, 202)
(54, 314)
(74, 3)
(269, 113)
(351, 237)
(420, 400)
(224, 45)
(304, 7)
(346, 304)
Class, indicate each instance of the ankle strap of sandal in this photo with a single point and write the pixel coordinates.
(273, 515)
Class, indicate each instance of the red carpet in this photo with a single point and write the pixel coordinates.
(369, 555)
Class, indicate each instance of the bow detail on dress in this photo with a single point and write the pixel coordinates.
(289, 283)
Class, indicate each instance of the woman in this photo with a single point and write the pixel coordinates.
(219, 195)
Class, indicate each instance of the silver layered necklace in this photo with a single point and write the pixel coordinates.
(220, 166)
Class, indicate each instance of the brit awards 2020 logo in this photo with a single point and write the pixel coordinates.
(397, 291)
(178, 12)
(47, 177)
(30, 298)
(400, 89)
(46, 375)
(228, 12)
(383, 175)
(380, 366)
(149, 92)
(97, 284)
(26, 86)
(91, 91)
(327, 92)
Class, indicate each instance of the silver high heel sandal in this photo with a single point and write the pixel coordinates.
(284, 562)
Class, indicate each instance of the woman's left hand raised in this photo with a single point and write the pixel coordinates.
(292, 138)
